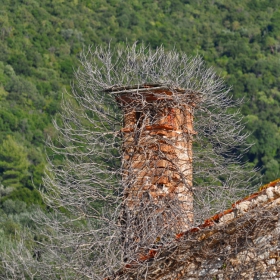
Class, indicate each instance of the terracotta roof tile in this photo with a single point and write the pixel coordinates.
(216, 218)
(266, 194)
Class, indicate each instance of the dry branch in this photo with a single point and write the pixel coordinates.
(148, 141)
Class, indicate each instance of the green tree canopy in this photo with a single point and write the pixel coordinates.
(13, 163)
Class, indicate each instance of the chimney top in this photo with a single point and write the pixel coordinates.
(155, 91)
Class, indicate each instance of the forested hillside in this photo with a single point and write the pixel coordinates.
(40, 42)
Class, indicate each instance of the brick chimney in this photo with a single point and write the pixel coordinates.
(157, 160)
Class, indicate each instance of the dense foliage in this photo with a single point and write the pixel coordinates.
(40, 42)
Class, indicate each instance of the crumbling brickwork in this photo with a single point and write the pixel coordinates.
(156, 163)
(156, 153)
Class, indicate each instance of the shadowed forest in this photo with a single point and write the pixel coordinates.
(40, 42)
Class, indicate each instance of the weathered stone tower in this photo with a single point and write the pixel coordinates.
(157, 161)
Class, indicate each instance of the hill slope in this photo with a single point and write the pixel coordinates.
(40, 42)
